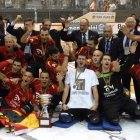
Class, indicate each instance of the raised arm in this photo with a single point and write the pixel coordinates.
(24, 38)
(126, 31)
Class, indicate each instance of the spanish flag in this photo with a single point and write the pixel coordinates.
(22, 123)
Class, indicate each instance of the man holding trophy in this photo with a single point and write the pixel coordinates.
(45, 90)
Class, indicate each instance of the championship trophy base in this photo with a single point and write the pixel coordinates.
(45, 122)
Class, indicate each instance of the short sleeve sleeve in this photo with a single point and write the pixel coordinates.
(67, 79)
(94, 79)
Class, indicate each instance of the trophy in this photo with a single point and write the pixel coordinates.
(44, 119)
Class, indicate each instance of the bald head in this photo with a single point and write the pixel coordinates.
(97, 56)
(130, 23)
(84, 24)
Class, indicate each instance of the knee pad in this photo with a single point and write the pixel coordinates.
(137, 111)
(94, 119)
(114, 121)
(65, 117)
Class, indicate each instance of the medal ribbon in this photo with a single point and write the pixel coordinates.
(109, 79)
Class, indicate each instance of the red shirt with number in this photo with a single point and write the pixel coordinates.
(36, 85)
(17, 97)
(39, 48)
(52, 65)
(6, 69)
(17, 54)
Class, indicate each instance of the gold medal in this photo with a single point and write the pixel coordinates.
(74, 86)
(108, 91)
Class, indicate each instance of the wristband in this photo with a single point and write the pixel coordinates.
(66, 55)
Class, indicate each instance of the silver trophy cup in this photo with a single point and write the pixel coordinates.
(45, 100)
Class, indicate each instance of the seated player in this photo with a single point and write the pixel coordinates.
(83, 102)
(45, 86)
(12, 72)
(112, 99)
(10, 51)
(20, 95)
(57, 62)
(89, 49)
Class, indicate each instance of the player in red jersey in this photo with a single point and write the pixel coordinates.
(57, 62)
(95, 65)
(41, 44)
(20, 95)
(8, 51)
(89, 49)
(45, 86)
(12, 72)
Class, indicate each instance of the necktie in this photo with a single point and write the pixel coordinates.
(107, 46)
(84, 39)
(127, 42)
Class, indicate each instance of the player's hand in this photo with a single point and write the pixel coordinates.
(65, 107)
(10, 61)
(62, 20)
(66, 49)
(67, 24)
(116, 65)
(15, 80)
(30, 27)
(74, 45)
(94, 107)
(60, 76)
(98, 74)
(18, 18)
(125, 30)
(133, 47)
(22, 71)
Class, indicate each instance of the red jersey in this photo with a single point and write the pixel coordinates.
(17, 54)
(17, 97)
(36, 85)
(92, 67)
(52, 65)
(83, 50)
(40, 50)
(6, 69)
(135, 70)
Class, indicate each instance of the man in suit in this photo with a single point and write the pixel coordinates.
(80, 36)
(130, 25)
(21, 31)
(110, 45)
(55, 34)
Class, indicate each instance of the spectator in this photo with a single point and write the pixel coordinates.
(1, 26)
(106, 7)
(70, 18)
(93, 6)
(137, 21)
(85, 11)
(112, 6)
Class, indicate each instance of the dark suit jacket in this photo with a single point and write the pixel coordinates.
(56, 36)
(19, 33)
(136, 32)
(116, 48)
(77, 36)
(2, 43)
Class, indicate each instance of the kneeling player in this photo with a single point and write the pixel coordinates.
(82, 83)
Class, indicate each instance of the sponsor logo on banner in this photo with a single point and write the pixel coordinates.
(93, 26)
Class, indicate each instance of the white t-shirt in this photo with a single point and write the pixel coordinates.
(81, 96)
